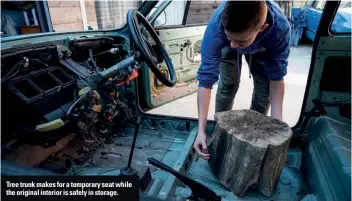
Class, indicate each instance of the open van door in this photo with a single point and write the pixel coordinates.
(329, 79)
(180, 26)
(324, 127)
(321, 146)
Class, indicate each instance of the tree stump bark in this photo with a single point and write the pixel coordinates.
(248, 150)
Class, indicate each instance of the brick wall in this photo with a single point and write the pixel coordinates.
(201, 11)
(113, 13)
(66, 15)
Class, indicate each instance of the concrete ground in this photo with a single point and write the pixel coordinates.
(295, 80)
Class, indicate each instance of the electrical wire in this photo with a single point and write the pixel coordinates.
(13, 68)
(84, 130)
(10, 74)
(18, 67)
(88, 141)
(95, 137)
(100, 53)
(13, 75)
(37, 60)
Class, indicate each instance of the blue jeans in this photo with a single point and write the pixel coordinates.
(230, 71)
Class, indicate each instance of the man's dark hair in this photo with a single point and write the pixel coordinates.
(241, 15)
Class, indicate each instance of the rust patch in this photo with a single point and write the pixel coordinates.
(163, 94)
(28, 155)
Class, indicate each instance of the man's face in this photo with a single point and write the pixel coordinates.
(245, 38)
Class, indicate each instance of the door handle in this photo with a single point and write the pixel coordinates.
(173, 45)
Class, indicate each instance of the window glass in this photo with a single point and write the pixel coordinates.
(111, 14)
(200, 11)
(319, 5)
(342, 20)
(172, 15)
(28, 17)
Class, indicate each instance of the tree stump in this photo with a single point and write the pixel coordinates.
(248, 150)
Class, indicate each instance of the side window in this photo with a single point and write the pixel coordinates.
(319, 5)
(342, 20)
(200, 11)
(172, 15)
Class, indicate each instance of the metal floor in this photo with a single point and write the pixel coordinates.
(291, 186)
(174, 148)
(163, 146)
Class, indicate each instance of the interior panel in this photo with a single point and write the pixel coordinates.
(327, 153)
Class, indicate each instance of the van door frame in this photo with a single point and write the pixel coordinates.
(323, 30)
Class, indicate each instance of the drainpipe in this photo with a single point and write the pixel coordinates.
(84, 14)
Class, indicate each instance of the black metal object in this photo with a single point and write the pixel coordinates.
(316, 111)
(79, 47)
(199, 191)
(129, 170)
(336, 76)
(76, 68)
(134, 141)
(145, 177)
(327, 18)
(184, 20)
(51, 85)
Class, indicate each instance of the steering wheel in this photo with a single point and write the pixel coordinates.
(134, 19)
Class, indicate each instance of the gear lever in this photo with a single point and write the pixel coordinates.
(129, 170)
(199, 191)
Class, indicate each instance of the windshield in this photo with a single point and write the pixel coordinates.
(29, 17)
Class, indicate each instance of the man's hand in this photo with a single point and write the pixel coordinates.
(200, 145)
(203, 100)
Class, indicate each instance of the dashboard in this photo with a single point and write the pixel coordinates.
(53, 89)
